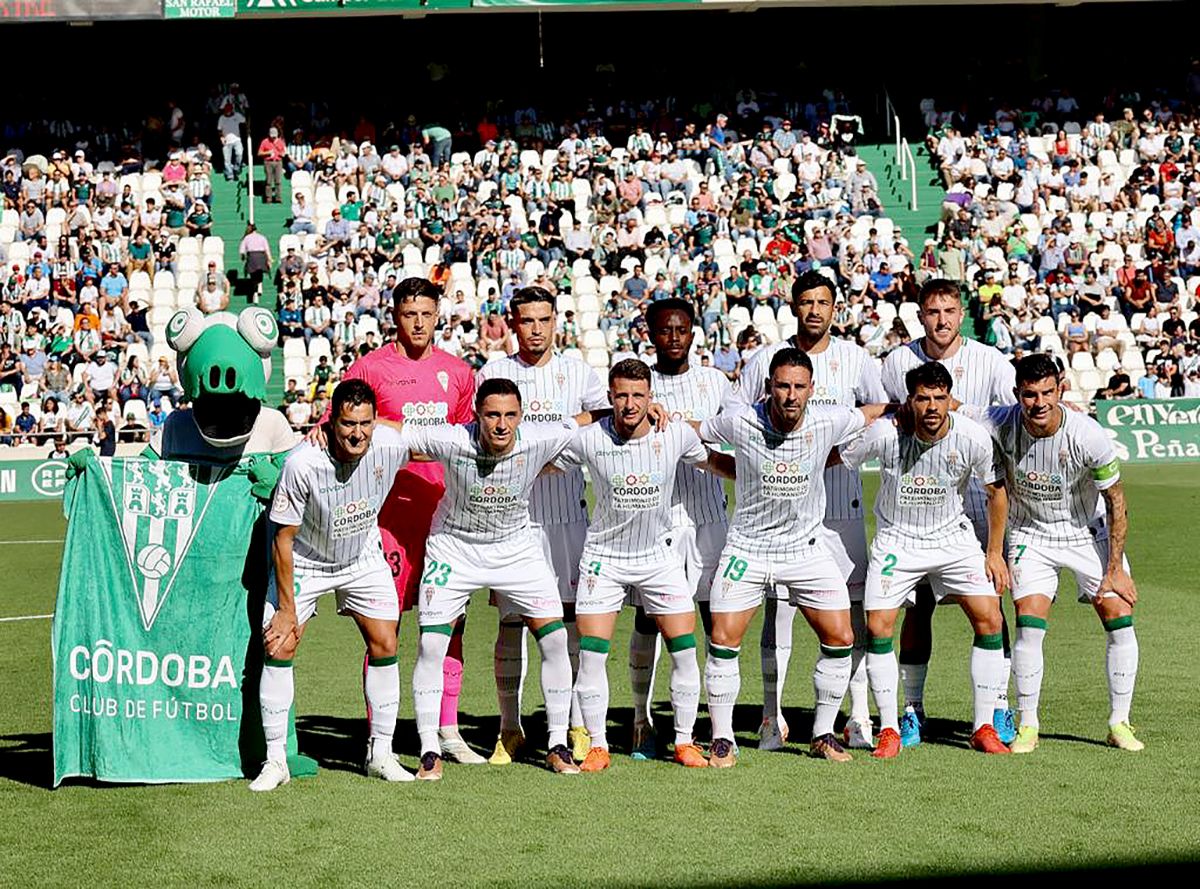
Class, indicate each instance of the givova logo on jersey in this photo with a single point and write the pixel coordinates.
(1045, 487)
(350, 519)
(922, 490)
(544, 410)
(785, 479)
(636, 491)
(425, 413)
(488, 496)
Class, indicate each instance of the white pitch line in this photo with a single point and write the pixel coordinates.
(20, 542)
(8, 620)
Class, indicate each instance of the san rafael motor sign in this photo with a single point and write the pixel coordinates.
(1153, 431)
(199, 9)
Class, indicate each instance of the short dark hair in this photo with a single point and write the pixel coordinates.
(790, 357)
(532, 294)
(629, 369)
(937, 287)
(1037, 366)
(672, 304)
(353, 393)
(495, 386)
(416, 288)
(811, 280)
(931, 375)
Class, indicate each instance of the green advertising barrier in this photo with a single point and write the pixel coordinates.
(341, 7)
(1146, 431)
(199, 9)
(32, 479)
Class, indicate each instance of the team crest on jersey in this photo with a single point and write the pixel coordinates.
(808, 439)
(428, 593)
(656, 446)
(952, 459)
(726, 585)
(378, 475)
(833, 366)
(443, 379)
(1063, 456)
(959, 371)
(702, 387)
(560, 379)
(591, 583)
(519, 461)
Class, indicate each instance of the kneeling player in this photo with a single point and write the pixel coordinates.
(777, 536)
(632, 466)
(922, 531)
(1060, 465)
(328, 542)
(483, 537)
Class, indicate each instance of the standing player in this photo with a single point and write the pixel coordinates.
(482, 537)
(698, 521)
(922, 531)
(982, 376)
(328, 541)
(777, 538)
(632, 466)
(843, 374)
(553, 389)
(420, 386)
(1061, 464)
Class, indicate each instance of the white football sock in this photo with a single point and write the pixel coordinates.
(831, 677)
(276, 692)
(987, 674)
(556, 679)
(884, 675)
(510, 663)
(722, 682)
(685, 686)
(776, 652)
(573, 656)
(382, 690)
(1121, 663)
(591, 685)
(1028, 667)
(643, 659)
(913, 678)
(427, 687)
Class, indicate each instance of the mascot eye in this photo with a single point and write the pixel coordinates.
(185, 328)
(259, 328)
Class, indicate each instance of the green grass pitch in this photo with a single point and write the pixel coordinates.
(777, 818)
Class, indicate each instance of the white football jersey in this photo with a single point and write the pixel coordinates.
(634, 482)
(552, 393)
(696, 395)
(922, 487)
(780, 487)
(1054, 482)
(844, 374)
(487, 497)
(335, 504)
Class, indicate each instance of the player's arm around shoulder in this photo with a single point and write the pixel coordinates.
(694, 452)
(571, 455)
(863, 447)
(1106, 475)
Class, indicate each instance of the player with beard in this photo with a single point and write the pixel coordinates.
(843, 374)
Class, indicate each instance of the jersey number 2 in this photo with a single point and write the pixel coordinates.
(889, 565)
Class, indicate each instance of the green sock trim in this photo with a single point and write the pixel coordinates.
(989, 641)
(542, 632)
(836, 650)
(881, 645)
(444, 629)
(725, 654)
(1028, 620)
(382, 661)
(273, 662)
(594, 643)
(681, 643)
(1118, 623)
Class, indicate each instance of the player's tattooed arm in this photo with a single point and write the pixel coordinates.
(282, 633)
(719, 464)
(994, 562)
(595, 415)
(1116, 578)
(873, 412)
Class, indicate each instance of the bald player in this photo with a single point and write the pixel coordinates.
(843, 374)
(982, 376)
(553, 389)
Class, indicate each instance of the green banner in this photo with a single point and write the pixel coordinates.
(155, 673)
(199, 9)
(1147, 431)
(32, 479)
(342, 7)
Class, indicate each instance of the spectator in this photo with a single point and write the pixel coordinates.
(272, 151)
(255, 252)
(106, 433)
(230, 134)
(164, 383)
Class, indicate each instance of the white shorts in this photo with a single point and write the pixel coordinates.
(811, 579)
(699, 549)
(1034, 568)
(659, 588)
(365, 588)
(515, 570)
(562, 546)
(847, 543)
(956, 569)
